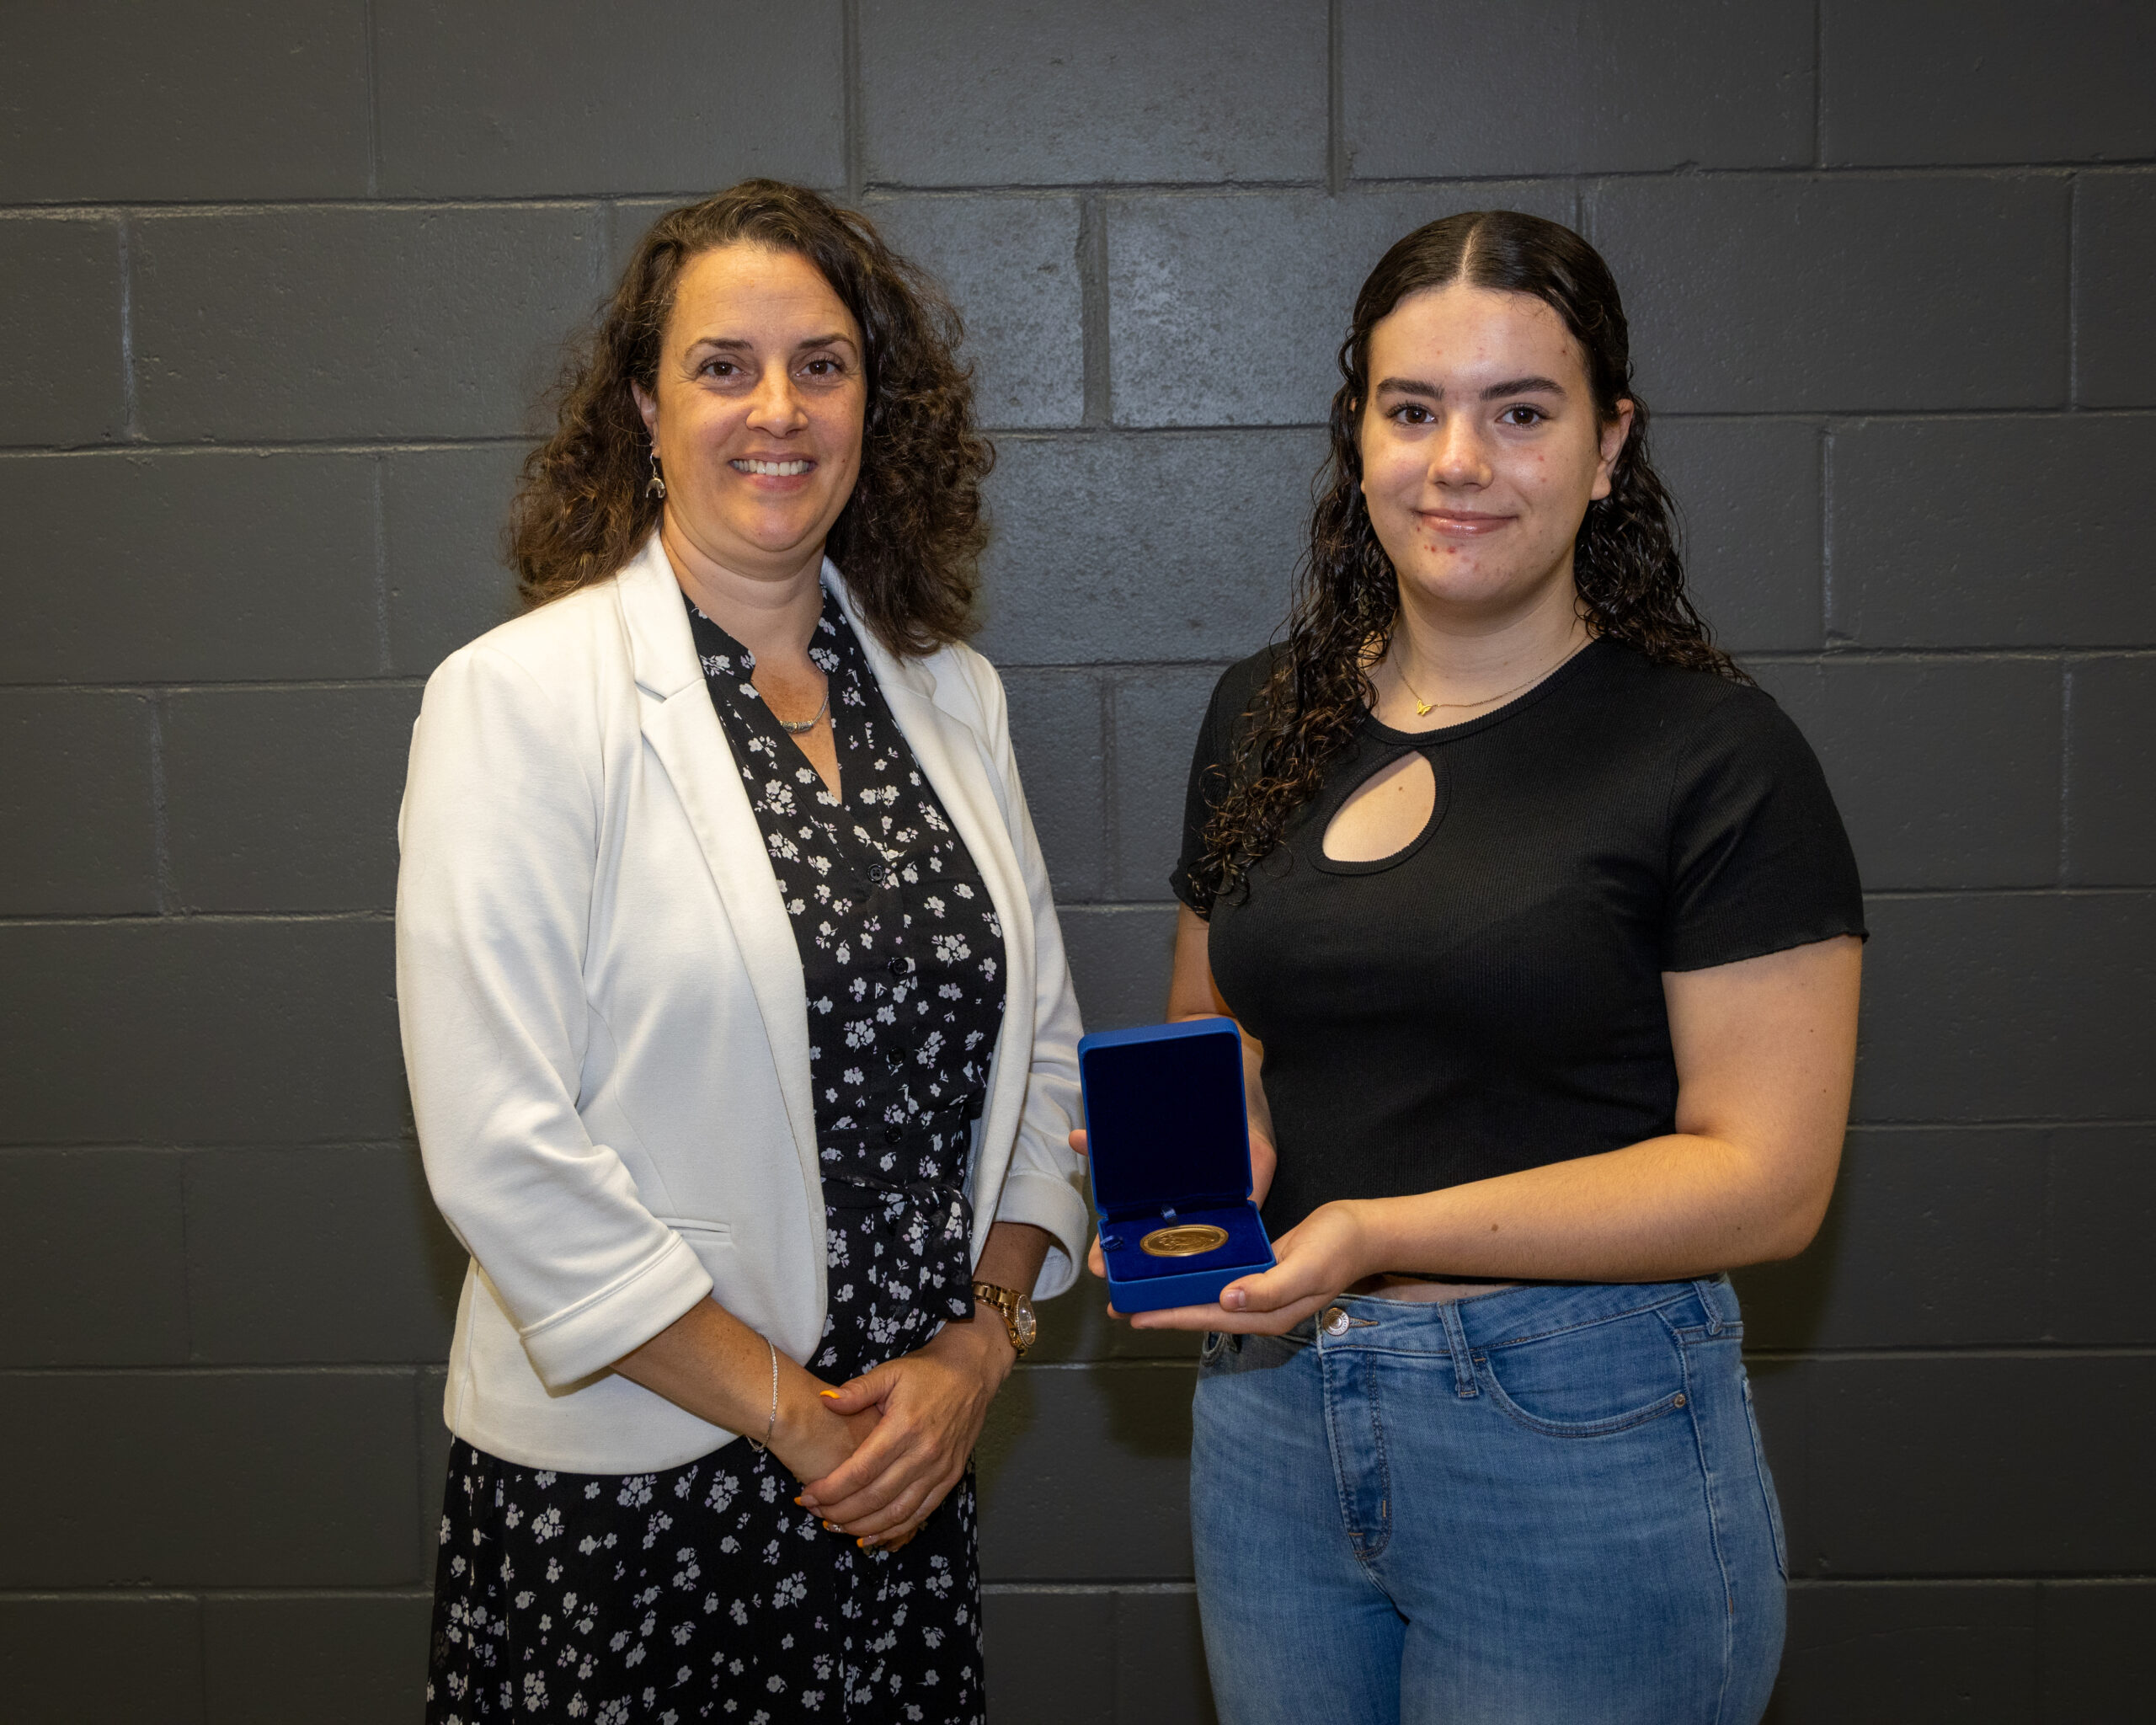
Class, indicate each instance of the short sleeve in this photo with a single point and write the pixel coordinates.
(1209, 766)
(1758, 859)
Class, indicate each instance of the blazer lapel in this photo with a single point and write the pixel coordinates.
(951, 755)
(685, 732)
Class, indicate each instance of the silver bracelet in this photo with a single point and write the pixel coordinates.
(771, 1424)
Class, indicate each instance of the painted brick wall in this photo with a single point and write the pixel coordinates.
(281, 284)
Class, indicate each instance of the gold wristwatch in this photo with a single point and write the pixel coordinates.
(1017, 1311)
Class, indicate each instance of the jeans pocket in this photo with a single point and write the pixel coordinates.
(1590, 1381)
(1766, 1483)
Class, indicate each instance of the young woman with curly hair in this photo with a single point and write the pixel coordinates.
(1543, 934)
(741, 1041)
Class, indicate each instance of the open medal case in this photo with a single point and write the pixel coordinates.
(1168, 1144)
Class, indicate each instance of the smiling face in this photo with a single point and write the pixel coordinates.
(1480, 450)
(757, 413)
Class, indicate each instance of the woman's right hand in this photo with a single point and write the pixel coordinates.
(810, 1436)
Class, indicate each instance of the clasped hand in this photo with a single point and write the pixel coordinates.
(1315, 1262)
(893, 1442)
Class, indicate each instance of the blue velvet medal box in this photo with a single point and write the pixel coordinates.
(1168, 1144)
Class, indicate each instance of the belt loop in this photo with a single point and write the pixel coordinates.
(1714, 1298)
(1463, 1363)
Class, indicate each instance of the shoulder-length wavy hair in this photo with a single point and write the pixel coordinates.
(1625, 561)
(909, 539)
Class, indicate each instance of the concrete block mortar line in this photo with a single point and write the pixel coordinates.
(370, 1368)
(1873, 1128)
(853, 142)
(2047, 1235)
(1104, 692)
(160, 827)
(2072, 298)
(1838, 654)
(292, 445)
(1819, 83)
(189, 1147)
(1090, 1587)
(1962, 1351)
(2065, 764)
(186, 1256)
(1891, 895)
(385, 659)
(132, 1594)
(369, 47)
(131, 418)
(1827, 529)
(201, 919)
(1107, 188)
(214, 686)
(1825, 1583)
(1854, 654)
(174, 209)
(1097, 411)
(159, 208)
(1335, 122)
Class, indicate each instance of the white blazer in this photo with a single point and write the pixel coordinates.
(605, 1027)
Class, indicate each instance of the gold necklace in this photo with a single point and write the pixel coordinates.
(1423, 708)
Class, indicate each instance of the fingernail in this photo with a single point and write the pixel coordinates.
(828, 1395)
(831, 1527)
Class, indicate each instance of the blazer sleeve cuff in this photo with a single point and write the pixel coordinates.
(1046, 1202)
(586, 1338)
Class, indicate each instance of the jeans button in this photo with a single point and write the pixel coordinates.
(1334, 1322)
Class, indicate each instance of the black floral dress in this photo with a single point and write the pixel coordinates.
(704, 1592)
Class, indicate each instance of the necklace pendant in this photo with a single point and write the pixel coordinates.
(1423, 709)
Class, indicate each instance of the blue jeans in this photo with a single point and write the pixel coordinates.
(1545, 1506)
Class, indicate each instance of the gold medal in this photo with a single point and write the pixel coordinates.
(1188, 1241)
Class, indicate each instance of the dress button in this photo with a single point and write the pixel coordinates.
(898, 966)
(1334, 1322)
(894, 1057)
(891, 1135)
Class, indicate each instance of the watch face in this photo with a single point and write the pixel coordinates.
(1026, 1326)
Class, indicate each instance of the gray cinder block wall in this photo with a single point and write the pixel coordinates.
(280, 284)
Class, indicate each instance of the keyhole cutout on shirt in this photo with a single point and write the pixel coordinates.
(1386, 813)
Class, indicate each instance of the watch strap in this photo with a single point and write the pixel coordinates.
(1005, 1302)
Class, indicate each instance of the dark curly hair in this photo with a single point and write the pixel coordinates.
(1625, 561)
(910, 537)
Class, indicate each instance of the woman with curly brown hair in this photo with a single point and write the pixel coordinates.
(740, 1037)
(1543, 935)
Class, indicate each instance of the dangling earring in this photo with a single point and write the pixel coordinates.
(657, 487)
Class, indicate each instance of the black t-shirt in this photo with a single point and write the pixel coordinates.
(1489, 998)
